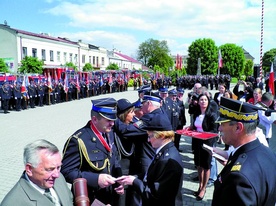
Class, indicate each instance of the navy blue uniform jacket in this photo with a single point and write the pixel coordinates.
(249, 178)
(164, 179)
(75, 165)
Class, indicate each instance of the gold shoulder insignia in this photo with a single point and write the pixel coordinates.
(236, 168)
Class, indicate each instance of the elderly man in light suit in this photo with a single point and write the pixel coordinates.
(41, 183)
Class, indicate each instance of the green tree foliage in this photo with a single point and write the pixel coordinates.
(87, 67)
(155, 53)
(207, 51)
(248, 68)
(112, 66)
(268, 58)
(31, 65)
(233, 60)
(3, 66)
(71, 65)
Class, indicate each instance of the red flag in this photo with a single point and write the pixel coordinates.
(271, 80)
(177, 61)
(180, 62)
(49, 81)
(220, 62)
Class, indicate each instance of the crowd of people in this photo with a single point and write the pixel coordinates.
(16, 96)
(129, 152)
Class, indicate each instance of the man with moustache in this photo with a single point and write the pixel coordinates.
(90, 153)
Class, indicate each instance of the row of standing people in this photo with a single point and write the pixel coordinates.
(17, 97)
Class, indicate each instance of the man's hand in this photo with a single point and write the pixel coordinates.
(120, 190)
(126, 180)
(105, 180)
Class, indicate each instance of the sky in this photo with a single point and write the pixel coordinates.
(125, 24)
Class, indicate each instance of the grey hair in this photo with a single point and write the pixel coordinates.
(250, 127)
(156, 104)
(31, 150)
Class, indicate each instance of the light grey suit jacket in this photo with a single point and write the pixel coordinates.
(24, 194)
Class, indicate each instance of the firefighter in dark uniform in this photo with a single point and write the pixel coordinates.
(90, 153)
(32, 93)
(182, 117)
(40, 93)
(173, 110)
(17, 96)
(162, 183)
(249, 177)
(5, 94)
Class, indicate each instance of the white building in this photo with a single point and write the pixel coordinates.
(15, 44)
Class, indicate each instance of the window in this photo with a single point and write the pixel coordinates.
(83, 59)
(43, 54)
(24, 52)
(76, 59)
(97, 61)
(51, 55)
(34, 52)
(71, 57)
(58, 56)
(102, 60)
(90, 59)
(65, 57)
(94, 60)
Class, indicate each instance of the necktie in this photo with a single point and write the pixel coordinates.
(48, 194)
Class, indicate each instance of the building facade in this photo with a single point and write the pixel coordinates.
(16, 44)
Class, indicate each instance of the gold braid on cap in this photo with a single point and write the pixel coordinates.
(238, 116)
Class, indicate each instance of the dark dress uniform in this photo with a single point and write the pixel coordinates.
(248, 178)
(40, 93)
(17, 96)
(5, 95)
(32, 94)
(162, 183)
(84, 156)
(249, 175)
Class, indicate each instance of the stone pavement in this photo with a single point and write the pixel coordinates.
(56, 123)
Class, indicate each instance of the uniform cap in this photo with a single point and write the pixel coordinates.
(173, 92)
(144, 88)
(234, 110)
(123, 105)
(151, 96)
(106, 107)
(180, 90)
(137, 104)
(156, 122)
(163, 90)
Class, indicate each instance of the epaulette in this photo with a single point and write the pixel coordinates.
(239, 162)
(77, 135)
(138, 123)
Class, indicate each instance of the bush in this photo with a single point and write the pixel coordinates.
(130, 83)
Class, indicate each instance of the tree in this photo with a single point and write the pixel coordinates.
(268, 58)
(233, 60)
(3, 66)
(248, 68)
(155, 53)
(71, 65)
(112, 66)
(31, 65)
(207, 51)
(87, 67)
